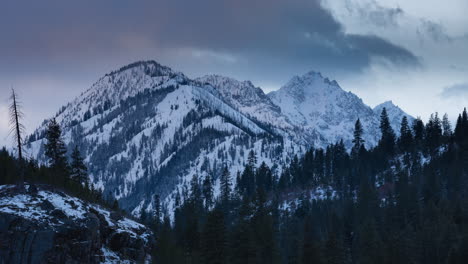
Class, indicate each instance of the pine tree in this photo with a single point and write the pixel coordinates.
(419, 131)
(465, 116)
(195, 191)
(406, 137)
(78, 170)
(247, 179)
(166, 249)
(225, 186)
(446, 126)
(252, 159)
(358, 140)
(157, 208)
(387, 141)
(261, 176)
(208, 191)
(55, 148)
(214, 241)
(242, 241)
(459, 129)
(433, 134)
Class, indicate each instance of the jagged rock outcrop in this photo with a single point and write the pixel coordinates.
(44, 225)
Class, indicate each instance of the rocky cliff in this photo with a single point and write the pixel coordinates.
(44, 225)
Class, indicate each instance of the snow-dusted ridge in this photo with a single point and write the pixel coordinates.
(42, 209)
(146, 129)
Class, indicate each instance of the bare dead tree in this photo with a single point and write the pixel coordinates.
(17, 129)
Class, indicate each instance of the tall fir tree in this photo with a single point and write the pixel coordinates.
(387, 141)
(207, 188)
(214, 238)
(418, 130)
(358, 141)
(157, 209)
(225, 186)
(405, 141)
(78, 170)
(433, 134)
(446, 126)
(55, 148)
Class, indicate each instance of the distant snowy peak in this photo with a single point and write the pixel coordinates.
(238, 93)
(250, 101)
(151, 68)
(120, 85)
(323, 108)
(389, 106)
(395, 114)
(307, 85)
(146, 129)
(134, 78)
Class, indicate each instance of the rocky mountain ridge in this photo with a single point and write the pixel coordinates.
(146, 129)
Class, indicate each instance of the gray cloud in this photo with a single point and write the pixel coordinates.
(52, 50)
(432, 30)
(459, 90)
(299, 32)
(374, 13)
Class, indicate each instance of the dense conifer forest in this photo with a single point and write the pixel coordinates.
(65, 172)
(403, 201)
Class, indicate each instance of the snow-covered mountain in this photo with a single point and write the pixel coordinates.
(146, 129)
(323, 108)
(395, 114)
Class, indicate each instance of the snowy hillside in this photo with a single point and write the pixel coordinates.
(323, 108)
(395, 114)
(62, 228)
(146, 129)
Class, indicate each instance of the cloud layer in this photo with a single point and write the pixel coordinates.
(455, 91)
(300, 32)
(52, 50)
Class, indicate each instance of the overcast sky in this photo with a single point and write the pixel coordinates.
(414, 53)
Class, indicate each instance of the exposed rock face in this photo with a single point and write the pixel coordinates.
(48, 226)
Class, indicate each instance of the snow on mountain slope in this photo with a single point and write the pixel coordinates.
(322, 107)
(52, 222)
(146, 129)
(253, 102)
(395, 114)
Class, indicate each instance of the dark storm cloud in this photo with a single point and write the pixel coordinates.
(433, 30)
(455, 91)
(374, 13)
(296, 33)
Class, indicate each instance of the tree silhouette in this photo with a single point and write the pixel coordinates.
(17, 129)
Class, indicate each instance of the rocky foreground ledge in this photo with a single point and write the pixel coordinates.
(44, 225)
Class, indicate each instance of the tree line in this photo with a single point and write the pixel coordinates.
(402, 201)
(67, 172)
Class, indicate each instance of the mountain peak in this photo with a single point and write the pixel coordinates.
(314, 76)
(386, 104)
(233, 90)
(308, 85)
(395, 113)
(149, 67)
(221, 82)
